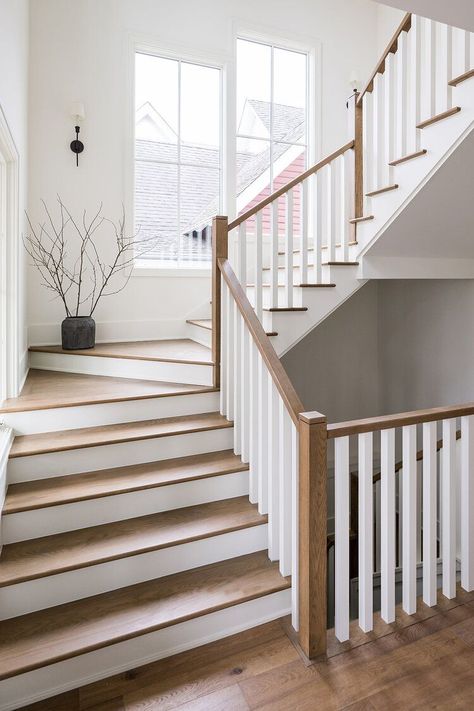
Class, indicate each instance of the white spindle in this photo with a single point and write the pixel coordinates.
(444, 70)
(258, 265)
(304, 233)
(230, 333)
(366, 565)
(274, 255)
(377, 524)
(379, 132)
(285, 489)
(254, 423)
(367, 128)
(237, 377)
(467, 502)
(389, 116)
(415, 81)
(318, 226)
(401, 107)
(294, 524)
(409, 519)
(332, 215)
(430, 67)
(244, 391)
(448, 509)
(289, 249)
(467, 51)
(242, 255)
(387, 495)
(400, 518)
(429, 513)
(274, 486)
(224, 339)
(263, 472)
(347, 173)
(341, 549)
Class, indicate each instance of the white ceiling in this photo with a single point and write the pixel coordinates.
(459, 13)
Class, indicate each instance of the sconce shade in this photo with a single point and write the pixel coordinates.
(353, 80)
(77, 110)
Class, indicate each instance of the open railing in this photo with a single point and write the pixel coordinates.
(421, 494)
(287, 448)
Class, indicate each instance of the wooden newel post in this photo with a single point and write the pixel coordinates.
(355, 109)
(219, 251)
(312, 533)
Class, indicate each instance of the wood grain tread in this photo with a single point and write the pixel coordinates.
(201, 322)
(180, 350)
(340, 264)
(439, 117)
(71, 488)
(72, 550)
(48, 389)
(380, 191)
(41, 638)
(63, 440)
(409, 156)
(287, 308)
(462, 77)
(364, 218)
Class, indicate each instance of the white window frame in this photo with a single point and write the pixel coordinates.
(155, 47)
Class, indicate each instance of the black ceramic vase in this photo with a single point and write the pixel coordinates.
(78, 333)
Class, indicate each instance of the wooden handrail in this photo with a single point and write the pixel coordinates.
(385, 422)
(281, 191)
(279, 376)
(404, 26)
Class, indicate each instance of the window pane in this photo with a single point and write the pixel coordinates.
(253, 175)
(289, 95)
(156, 104)
(200, 99)
(199, 203)
(290, 161)
(156, 208)
(253, 88)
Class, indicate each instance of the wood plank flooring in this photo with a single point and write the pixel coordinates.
(426, 665)
(41, 638)
(50, 555)
(62, 440)
(179, 350)
(46, 389)
(54, 491)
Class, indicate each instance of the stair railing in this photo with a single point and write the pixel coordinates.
(416, 508)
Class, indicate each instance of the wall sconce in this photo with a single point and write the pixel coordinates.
(78, 114)
(353, 81)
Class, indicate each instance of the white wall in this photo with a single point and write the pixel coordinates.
(79, 52)
(388, 19)
(459, 13)
(396, 345)
(14, 104)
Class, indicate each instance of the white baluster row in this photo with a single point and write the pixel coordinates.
(264, 435)
(413, 87)
(433, 490)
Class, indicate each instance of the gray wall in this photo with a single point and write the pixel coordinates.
(394, 346)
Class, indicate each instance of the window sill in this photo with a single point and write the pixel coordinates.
(149, 268)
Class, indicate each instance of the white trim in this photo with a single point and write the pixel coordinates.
(9, 265)
(156, 268)
(6, 439)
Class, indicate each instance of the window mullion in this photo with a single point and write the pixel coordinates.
(178, 255)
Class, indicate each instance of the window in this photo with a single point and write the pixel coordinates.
(177, 157)
(272, 120)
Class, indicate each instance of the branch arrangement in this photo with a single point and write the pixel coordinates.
(66, 253)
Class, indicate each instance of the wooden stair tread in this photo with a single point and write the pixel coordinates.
(439, 117)
(364, 218)
(380, 191)
(181, 350)
(409, 156)
(287, 308)
(308, 266)
(296, 283)
(72, 550)
(41, 638)
(201, 322)
(340, 264)
(462, 77)
(62, 440)
(55, 491)
(47, 389)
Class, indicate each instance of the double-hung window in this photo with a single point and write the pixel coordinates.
(178, 168)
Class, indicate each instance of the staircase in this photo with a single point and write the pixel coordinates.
(163, 494)
(127, 534)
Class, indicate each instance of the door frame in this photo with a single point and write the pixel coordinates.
(9, 264)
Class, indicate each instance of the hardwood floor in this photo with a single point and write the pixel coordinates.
(427, 663)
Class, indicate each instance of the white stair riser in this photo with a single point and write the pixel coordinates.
(311, 254)
(93, 512)
(76, 584)
(124, 368)
(74, 461)
(199, 334)
(34, 421)
(57, 678)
